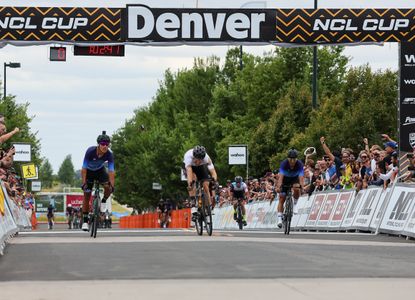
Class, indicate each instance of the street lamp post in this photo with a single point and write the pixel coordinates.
(315, 71)
(10, 65)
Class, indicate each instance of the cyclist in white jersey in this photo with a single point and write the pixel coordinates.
(239, 192)
(198, 166)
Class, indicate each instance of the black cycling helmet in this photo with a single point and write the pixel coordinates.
(292, 153)
(238, 179)
(199, 152)
(103, 138)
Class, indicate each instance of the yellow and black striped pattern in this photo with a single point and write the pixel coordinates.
(104, 24)
(296, 26)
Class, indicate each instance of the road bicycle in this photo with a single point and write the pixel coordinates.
(204, 212)
(94, 216)
(239, 214)
(288, 211)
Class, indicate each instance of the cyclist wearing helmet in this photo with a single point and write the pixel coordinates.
(198, 166)
(239, 192)
(93, 169)
(291, 176)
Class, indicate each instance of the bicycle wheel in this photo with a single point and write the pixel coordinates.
(207, 215)
(199, 223)
(96, 215)
(240, 217)
(288, 212)
(92, 225)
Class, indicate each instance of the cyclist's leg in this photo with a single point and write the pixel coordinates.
(103, 179)
(192, 178)
(90, 176)
(235, 205)
(296, 194)
(206, 188)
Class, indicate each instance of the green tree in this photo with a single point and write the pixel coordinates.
(66, 173)
(46, 174)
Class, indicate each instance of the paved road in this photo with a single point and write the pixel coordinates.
(303, 265)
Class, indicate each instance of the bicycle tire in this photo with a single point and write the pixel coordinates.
(288, 214)
(92, 223)
(207, 215)
(96, 215)
(240, 217)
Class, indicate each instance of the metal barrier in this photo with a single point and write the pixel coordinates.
(12, 219)
(371, 210)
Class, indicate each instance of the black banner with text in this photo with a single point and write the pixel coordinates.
(407, 98)
(144, 25)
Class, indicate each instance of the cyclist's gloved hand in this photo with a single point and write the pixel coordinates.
(84, 187)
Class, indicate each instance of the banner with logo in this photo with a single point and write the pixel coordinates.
(380, 209)
(352, 210)
(327, 210)
(367, 210)
(340, 209)
(305, 211)
(398, 211)
(238, 155)
(407, 100)
(315, 210)
(139, 24)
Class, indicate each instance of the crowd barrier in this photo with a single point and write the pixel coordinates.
(179, 219)
(371, 210)
(12, 219)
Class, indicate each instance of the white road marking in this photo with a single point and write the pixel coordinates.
(293, 289)
(172, 239)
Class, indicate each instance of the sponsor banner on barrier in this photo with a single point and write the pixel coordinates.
(352, 210)
(327, 210)
(301, 203)
(315, 210)
(367, 210)
(409, 229)
(398, 210)
(380, 209)
(305, 211)
(345, 198)
(269, 215)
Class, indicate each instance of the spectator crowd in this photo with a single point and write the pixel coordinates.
(375, 165)
(12, 182)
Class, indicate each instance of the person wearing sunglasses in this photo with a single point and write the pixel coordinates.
(93, 169)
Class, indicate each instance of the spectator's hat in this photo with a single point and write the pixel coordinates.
(394, 154)
(393, 145)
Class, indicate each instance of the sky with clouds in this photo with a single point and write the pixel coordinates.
(74, 101)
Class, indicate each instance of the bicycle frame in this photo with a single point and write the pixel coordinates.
(204, 214)
(95, 215)
(288, 211)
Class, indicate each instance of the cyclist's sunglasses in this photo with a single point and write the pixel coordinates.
(104, 143)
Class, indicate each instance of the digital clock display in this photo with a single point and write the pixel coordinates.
(116, 50)
(57, 54)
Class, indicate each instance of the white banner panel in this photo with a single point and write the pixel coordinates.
(398, 210)
(237, 155)
(367, 210)
(36, 186)
(327, 210)
(301, 203)
(409, 229)
(353, 210)
(345, 198)
(315, 210)
(380, 209)
(305, 211)
(23, 152)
